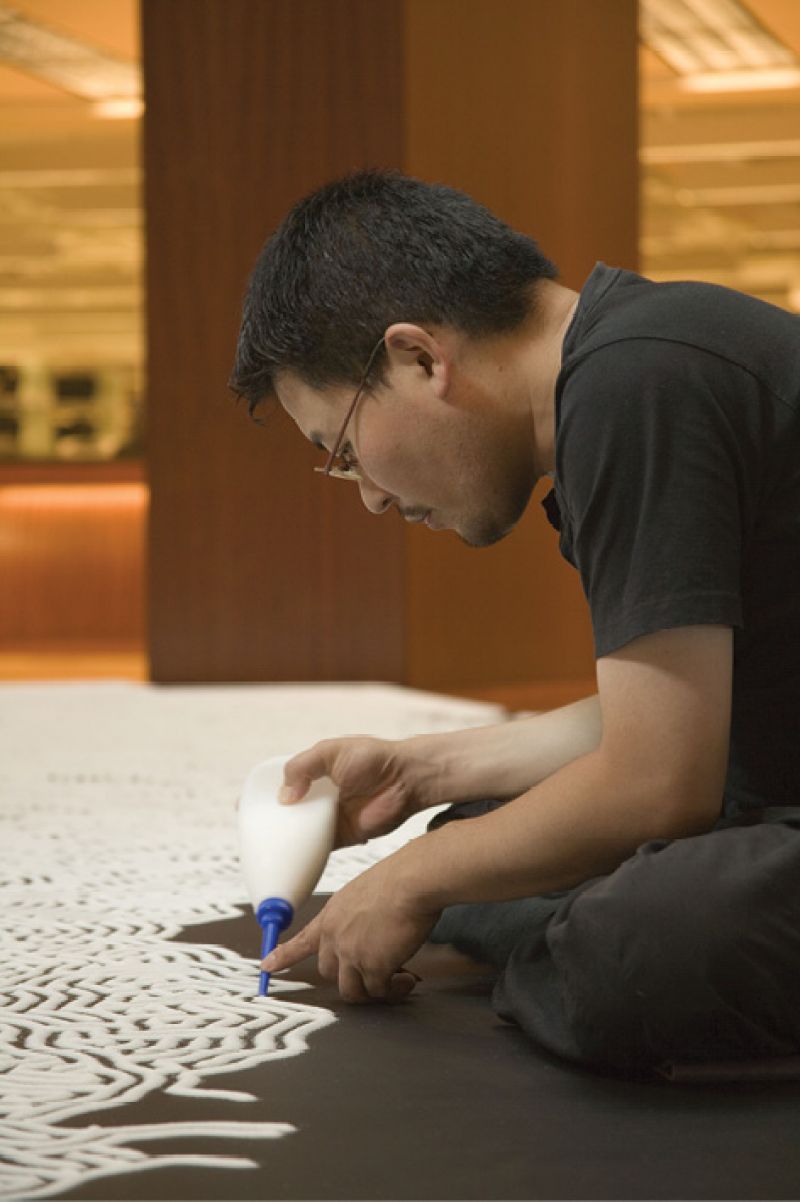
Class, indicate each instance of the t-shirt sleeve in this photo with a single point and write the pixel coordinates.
(653, 488)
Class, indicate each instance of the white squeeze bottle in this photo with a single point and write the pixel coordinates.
(283, 848)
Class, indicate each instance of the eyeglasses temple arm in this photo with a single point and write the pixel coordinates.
(362, 385)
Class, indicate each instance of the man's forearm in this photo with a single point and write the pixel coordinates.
(507, 759)
(581, 822)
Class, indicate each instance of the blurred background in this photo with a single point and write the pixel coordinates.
(148, 529)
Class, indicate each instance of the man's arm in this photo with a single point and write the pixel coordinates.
(382, 782)
(507, 759)
(658, 771)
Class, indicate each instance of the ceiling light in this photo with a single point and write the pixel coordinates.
(119, 107)
(70, 177)
(65, 61)
(740, 194)
(721, 152)
(705, 39)
(674, 50)
(757, 48)
(742, 81)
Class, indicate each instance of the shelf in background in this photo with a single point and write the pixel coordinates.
(114, 471)
(41, 661)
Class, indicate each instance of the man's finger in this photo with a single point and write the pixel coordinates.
(305, 943)
(303, 769)
(390, 989)
(351, 985)
(288, 794)
(401, 984)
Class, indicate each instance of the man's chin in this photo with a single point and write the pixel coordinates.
(488, 529)
(483, 536)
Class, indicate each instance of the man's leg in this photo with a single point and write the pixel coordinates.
(489, 932)
(689, 951)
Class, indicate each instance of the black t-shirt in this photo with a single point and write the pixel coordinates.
(678, 492)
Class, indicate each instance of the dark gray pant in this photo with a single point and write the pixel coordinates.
(689, 951)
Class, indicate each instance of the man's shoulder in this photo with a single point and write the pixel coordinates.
(646, 327)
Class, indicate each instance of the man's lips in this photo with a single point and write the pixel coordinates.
(414, 518)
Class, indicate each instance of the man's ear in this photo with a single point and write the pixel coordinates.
(411, 348)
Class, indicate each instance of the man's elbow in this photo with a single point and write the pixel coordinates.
(673, 804)
(690, 803)
(694, 814)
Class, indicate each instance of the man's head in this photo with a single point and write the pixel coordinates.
(424, 277)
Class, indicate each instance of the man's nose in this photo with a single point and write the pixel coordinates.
(375, 499)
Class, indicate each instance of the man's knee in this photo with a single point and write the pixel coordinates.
(687, 951)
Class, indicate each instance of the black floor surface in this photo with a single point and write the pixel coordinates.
(436, 1098)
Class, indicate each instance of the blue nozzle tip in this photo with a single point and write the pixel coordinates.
(274, 915)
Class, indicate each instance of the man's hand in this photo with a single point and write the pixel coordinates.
(382, 782)
(364, 935)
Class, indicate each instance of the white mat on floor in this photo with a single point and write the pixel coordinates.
(118, 830)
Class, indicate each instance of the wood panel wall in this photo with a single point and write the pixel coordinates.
(258, 569)
(72, 563)
(530, 106)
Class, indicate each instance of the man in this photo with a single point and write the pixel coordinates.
(636, 877)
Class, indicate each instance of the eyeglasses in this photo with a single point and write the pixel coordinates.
(348, 471)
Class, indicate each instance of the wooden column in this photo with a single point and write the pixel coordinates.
(258, 569)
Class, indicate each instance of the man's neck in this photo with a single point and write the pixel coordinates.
(540, 362)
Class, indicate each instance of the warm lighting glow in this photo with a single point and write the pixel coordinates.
(722, 152)
(73, 496)
(119, 108)
(68, 62)
(742, 81)
(714, 39)
(736, 195)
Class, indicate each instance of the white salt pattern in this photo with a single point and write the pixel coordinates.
(100, 1009)
(117, 833)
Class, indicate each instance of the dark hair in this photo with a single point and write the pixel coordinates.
(367, 250)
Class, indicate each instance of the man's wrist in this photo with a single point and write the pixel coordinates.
(434, 762)
(428, 875)
(413, 884)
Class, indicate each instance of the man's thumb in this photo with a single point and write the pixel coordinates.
(293, 790)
